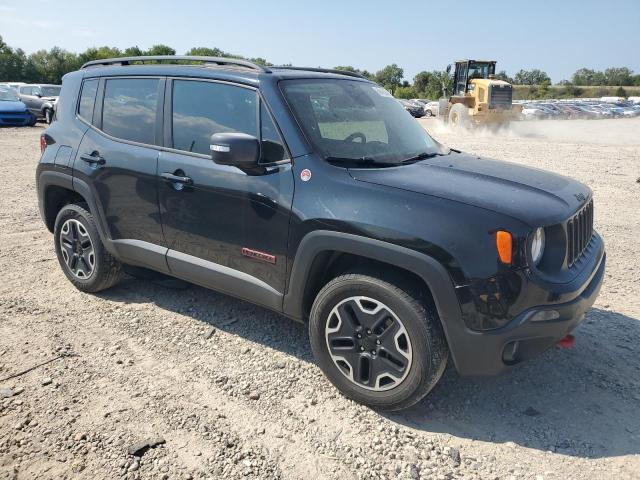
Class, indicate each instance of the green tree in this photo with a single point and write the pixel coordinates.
(207, 52)
(390, 76)
(160, 50)
(502, 75)
(421, 81)
(134, 51)
(618, 76)
(531, 77)
(406, 92)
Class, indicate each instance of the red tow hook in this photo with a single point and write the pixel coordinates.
(567, 342)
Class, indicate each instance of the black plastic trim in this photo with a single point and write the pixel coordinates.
(427, 268)
(223, 279)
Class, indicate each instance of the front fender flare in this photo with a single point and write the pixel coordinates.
(426, 267)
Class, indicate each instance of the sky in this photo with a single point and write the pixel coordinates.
(555, 36)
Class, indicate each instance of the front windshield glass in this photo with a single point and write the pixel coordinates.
(50, 91)
(8, 95)
(350, 120)
(480, 70)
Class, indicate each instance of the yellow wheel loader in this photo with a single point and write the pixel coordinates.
(478, 98)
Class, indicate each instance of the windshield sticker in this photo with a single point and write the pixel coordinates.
(383, 92)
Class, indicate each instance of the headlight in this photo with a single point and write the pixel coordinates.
(537, 245)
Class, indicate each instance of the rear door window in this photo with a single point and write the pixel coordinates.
(129, 109)
(88, 99)
(201, 109)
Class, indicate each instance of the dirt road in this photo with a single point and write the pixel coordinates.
(232, 391)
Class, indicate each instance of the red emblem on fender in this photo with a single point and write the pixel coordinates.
(258, 255)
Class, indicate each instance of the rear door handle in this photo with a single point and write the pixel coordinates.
(94, 158)
(176, 178)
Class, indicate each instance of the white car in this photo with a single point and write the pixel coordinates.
(13, 85)
(430, 107)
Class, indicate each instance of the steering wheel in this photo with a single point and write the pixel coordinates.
(355, 135)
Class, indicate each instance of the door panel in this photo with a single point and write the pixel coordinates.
(225, 210)
(124, 186)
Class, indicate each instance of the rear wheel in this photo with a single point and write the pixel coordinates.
(48, 116)
(82, 256)
(459, 116)
(379, 343)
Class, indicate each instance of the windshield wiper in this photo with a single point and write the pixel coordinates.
(420, 156)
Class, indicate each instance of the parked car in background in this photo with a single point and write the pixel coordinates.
(13, 112)
(532, 111)
(13, 85)
(416, 109)
(40, 99)
(430, 107)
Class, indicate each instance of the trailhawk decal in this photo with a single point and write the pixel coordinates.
(258, 255)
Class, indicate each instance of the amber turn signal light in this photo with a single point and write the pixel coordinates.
(504, 245)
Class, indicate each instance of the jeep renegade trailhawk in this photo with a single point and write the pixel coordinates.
(315, 194)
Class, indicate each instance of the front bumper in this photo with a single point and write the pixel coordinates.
(528, 334)
(19, 119)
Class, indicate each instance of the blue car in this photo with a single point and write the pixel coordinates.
(14, 113)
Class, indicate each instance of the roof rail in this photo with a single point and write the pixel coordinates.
(177, 58)
(326, 70)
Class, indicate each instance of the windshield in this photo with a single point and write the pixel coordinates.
(358, 121)
(9, 95)
(480, 70)
(50, 91)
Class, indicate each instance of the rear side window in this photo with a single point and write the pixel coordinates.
(88, 99)
(201, 109)
(129, 109)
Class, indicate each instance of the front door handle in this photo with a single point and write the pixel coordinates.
(93, 158)
(176, 178)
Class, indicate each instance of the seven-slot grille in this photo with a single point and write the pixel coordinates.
(500, 96)
(579, 232)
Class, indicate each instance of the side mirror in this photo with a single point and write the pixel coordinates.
(37, 94)
(235, 149)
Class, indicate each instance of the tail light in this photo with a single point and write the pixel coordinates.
(43, 144)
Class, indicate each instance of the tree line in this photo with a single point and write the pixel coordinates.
(49, 66)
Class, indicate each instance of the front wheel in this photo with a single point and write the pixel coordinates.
(48, 116)
(459, 116)
(379, 343)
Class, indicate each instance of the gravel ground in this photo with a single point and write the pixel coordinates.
(222, 389)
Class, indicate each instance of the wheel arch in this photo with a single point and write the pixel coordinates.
(57, 189)
(319, 250)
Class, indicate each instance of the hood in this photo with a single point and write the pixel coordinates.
(9, 106)
(536, 197)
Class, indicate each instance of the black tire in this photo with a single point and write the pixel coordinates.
(105, 271)
(428, 113)
(427, 344)
(459, 116)
(48, 116)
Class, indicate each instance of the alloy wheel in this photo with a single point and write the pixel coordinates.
(77, 249)
(368, 343)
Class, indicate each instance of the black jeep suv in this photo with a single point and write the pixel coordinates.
(313, 193)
